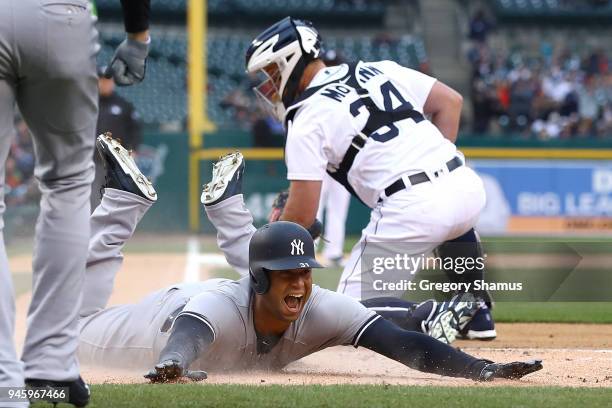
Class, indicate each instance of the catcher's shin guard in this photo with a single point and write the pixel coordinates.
(467, 245)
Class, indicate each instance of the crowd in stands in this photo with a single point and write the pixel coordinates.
(555, 94)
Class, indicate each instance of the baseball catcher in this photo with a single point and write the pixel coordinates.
(387, 134)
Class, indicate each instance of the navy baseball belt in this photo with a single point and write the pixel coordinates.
(418, 178)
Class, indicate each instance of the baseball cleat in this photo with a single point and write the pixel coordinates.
(450, 317)
(122, 173)
(77, 391)
(481, 326)
(226, 179)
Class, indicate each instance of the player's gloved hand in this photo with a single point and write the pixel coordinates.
(128, 65)
(511, 371)
(170, 370)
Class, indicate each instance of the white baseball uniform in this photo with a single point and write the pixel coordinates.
(334, 204)
(320, 129)
(132, 336)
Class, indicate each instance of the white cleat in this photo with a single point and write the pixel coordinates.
(226, 179)
(122, 173)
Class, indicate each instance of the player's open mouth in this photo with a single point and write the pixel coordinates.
(294, 302)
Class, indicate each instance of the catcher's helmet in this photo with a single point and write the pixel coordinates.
(279, 246)
(284, 50)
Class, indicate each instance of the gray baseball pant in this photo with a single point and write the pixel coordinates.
(234, 225)
(48, 67)
(125, 336)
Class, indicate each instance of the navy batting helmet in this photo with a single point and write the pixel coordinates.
(279, 246)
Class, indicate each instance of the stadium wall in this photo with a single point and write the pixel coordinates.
(531, 189)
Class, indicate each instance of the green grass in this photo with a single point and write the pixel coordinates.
(553, 312)
(197, 395)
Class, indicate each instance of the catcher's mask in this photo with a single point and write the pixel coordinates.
(279, 246)
(278, 56)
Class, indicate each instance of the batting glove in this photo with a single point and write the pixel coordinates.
(511, 371)
(129, 62)
(170, 370)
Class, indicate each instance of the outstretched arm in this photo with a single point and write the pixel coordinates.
(423, 353)
(189, 339)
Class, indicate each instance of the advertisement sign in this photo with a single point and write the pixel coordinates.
(546, 196)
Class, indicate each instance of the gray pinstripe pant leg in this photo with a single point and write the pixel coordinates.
(47, 58)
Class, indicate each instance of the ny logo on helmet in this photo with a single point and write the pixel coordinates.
(297, 247)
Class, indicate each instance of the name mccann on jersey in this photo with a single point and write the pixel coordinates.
(414, 263)
(446, 287)
(338, 91)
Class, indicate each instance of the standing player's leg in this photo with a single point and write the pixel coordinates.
(440, 320)
(11, 368)
(468, 245)
(224, 205)
(322, 207)
(463, 242)
(336, 210)
(350, 280)
(57, 96)
(127, 197)
(323, 198)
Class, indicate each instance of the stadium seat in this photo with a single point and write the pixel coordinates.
(553, 11)
(255, 11)
(163, 97)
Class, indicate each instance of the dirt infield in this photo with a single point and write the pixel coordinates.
(346, 365)
(577, 355)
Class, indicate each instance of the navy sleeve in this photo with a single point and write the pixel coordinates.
(419, 351)
(136, 15)
(190, 337)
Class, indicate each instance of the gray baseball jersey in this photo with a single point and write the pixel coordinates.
(132, 336)
(328, 319)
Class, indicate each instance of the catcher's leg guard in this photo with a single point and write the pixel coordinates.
(399, 311)
(442, 321)
(466, 246)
